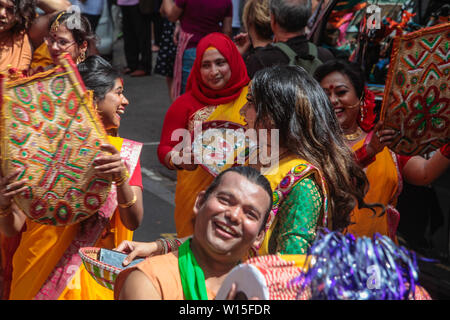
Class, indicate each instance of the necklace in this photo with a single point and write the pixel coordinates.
(353, 136)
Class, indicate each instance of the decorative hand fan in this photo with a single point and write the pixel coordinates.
(51, 133)
(416, 98)
(266, 277)
(221, 145)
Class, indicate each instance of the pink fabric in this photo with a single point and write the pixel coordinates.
(202, 17)
(183, 40)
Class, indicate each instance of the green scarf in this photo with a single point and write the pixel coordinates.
(192, 276)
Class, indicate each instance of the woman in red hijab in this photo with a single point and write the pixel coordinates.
(216, 90)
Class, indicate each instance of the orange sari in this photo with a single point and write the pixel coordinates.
(385, 184)
(46, 264)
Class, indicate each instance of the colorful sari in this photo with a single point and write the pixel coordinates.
(385, 186)
(284, 177)
(200, 103)
(46, 265)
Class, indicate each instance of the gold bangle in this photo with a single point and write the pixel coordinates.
(4, 212)
(122, 179)
(128, 204)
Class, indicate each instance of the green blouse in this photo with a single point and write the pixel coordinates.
(297, 219)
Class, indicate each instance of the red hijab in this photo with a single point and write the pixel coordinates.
(238, 79)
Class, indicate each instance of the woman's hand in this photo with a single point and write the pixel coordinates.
(110, 164)
(183, 159)
(137, 249)
(9, 188)
(380, 139)
(242, 42)
(234, 295)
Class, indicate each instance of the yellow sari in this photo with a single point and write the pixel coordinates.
(384, 187)
(41, 57)
(41, 250)
(190, 183)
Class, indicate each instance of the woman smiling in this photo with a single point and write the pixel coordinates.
(353, 105)
(216, 90)
(46, 264)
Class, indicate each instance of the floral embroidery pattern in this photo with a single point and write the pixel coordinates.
(428, 112)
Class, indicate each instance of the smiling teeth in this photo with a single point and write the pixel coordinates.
(227, 229)
(120, 111)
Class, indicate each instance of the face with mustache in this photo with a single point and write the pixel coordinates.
(7, 17)
(215, 70)
(229, 221)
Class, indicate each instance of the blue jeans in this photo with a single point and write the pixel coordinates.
(188, 62)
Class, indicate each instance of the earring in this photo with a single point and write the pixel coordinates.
(81, 57)
(362, 112)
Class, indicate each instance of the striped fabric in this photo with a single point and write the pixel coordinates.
(104, 274)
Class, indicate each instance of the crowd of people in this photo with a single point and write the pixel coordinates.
(246, 63)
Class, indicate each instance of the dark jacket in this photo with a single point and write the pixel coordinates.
(270, 55)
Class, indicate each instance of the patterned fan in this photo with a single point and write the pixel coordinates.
(51, 133)
(416, 99)
(265, 277)
(220, 145)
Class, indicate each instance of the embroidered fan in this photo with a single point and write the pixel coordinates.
(220, 145)
(51, 133)
(416, 98)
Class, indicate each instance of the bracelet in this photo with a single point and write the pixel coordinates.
(128, 204)
(162, 245)
(445, 150)
(362, 157)
(4, 212)
(168, 245)
(122, 179)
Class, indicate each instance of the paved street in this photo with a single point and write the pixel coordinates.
(142, 122)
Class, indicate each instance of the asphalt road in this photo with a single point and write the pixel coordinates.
(142, 122)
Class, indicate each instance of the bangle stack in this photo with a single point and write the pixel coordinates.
(362, 157)
(6, 211)
(128, 204)
(168, 245)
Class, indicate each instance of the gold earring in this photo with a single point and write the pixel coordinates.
(81, 57)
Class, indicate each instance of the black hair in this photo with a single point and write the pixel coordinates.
(78, 25)
(352, 70)
(98, 75)
(253, 176)
(295, 104)
(24, 13)
(291, 15)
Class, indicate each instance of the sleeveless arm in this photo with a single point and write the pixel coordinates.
(298, 218)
